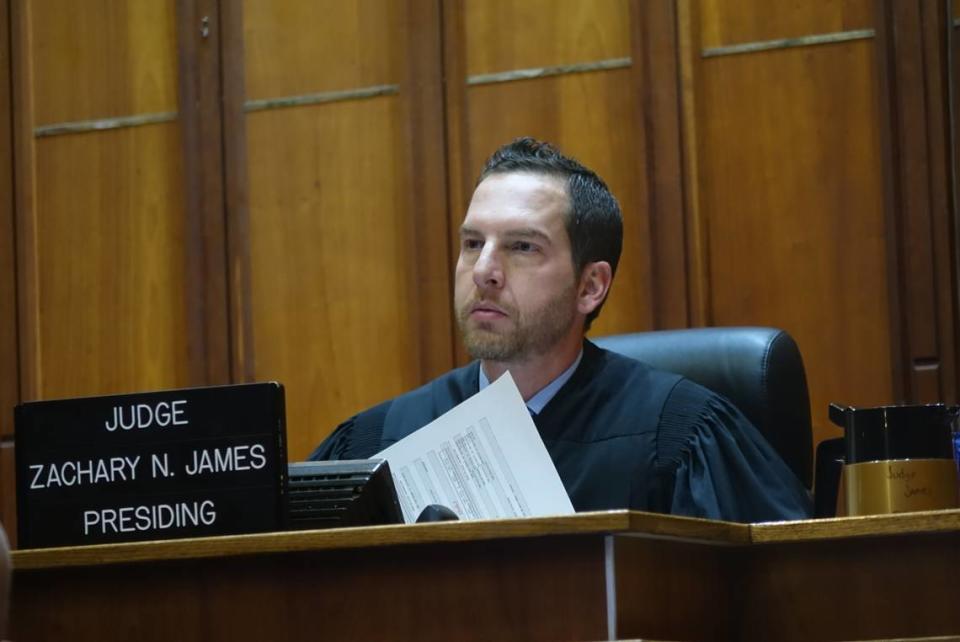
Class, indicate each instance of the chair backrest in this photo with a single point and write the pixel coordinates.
(760, 370)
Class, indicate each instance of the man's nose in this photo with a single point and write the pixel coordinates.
(487, 271)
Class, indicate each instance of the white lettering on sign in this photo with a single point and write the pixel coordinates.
(141, 415)
(160, 465)
(129, 519)
(78, 473)
(232, 458)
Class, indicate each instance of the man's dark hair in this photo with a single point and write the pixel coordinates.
(594, 222)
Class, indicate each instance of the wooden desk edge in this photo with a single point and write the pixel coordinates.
(620, 522)
(935, 521)
(601, 523)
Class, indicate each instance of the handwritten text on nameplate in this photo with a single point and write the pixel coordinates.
(160, 465)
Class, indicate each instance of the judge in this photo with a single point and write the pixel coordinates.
(539, 248)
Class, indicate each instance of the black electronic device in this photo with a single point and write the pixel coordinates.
(332, 494)
(436, 513)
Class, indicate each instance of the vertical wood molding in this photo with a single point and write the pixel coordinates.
(953, 125)
(9, 377)
(422, 94)
(8, 484)
(889, 115)
(28, 297)
(200, 121)
(697, 247)
(236, 193)
(656, 74)
(911, 42)
(935, 28)
(459, 181)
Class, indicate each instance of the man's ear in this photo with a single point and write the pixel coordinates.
(594, 284)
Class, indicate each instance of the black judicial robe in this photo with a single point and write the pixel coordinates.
(622, 435)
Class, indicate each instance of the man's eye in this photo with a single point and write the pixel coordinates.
(524, 246)
(472, 244)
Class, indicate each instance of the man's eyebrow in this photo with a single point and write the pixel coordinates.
(528, 233)
(521, 233)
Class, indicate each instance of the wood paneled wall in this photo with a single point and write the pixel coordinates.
(100, 218)
(9, 377)
(336, 238)
(583, 99)
(918, 193)
(787, 160)
(100, 224)
(201, 192)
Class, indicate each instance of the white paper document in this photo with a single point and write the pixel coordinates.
(483, 459)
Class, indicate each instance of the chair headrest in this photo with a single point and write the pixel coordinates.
(760, 370)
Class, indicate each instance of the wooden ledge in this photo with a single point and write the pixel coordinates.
(607, 522)
(622, 523)
(934, 521)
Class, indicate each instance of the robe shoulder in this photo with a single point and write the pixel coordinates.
(720, 464)
(625, 435)
(356, 438)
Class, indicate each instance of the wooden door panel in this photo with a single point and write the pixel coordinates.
(330, 258)
(100, 214)
(342, 247)
(791, 197)
(111, 264)
(102, 58)
(299, 47)
(502, 35)
(726, 23)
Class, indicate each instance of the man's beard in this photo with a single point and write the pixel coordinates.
(534, 333)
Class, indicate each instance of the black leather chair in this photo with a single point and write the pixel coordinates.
(759, 369)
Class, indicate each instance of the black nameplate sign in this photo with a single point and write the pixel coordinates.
(158, 465)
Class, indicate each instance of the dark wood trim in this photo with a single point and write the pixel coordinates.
(935, 32)
(8, 490)
(911, 176)
(656, 74)
(199, 104)
(24, 177)
(953, 125)
(9, 366)
(459, 181)
(9, 376)
(423, 100)
(699, 306)
(27, 308)
(236, 193)
(912, 94)
(888, 111)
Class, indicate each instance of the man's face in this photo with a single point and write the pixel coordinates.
(515, 284)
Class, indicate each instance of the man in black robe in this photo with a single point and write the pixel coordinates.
(539, 247)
